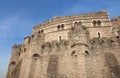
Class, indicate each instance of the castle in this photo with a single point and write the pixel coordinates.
(76, 46)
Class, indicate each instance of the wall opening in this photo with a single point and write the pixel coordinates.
(58, 27)
(99, 22)
(74, 53)
(62, 26)
(12, 63)
(86, 53)
(36, 56)
(94, 23)
(59, 38)
(99, 35)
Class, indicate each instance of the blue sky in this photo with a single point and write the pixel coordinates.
(17, 18)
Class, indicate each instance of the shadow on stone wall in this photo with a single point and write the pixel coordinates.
(52, 66)
(16, 71)
(113, 65)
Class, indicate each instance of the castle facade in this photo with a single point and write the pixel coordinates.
(76, 46)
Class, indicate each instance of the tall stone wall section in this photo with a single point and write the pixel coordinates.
(68, 47)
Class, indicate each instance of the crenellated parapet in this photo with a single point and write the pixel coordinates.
(104, 42)
(116, 26)
(55, 45)
(39, 35)
(16, 50)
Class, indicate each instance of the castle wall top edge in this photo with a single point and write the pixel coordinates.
(93, 14)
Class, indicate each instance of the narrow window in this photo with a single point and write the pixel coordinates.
(80, 23)
(94, 23)
(59, 38)
(62, 26)
(19, 54)
(76, 23)
(99, 35)
(24, 49)
(58, 27)
(99, 22)
(42, 30)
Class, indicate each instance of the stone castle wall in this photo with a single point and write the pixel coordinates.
(78, 46)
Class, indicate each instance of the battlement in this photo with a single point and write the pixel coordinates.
(54, 44)
(116, 22)
(105, 42)
(17, 46)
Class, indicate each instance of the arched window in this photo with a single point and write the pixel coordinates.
(86, 53)
(80, 23)
(59, 38)
(40, 31)
(58, 27)
(62, 25)
(75, 23)
(99, 35)
(94, 23)
(36, 56)
(74, 53)
(12, 63)
(99, 22)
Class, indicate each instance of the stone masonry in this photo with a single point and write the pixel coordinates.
(76, 46)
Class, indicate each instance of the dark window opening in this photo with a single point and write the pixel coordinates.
(99, 22)
(117, 36)
(76, 23)
(58, 27)
(12, 63)
(36, 56)
(60, 38)
(86, 53)
(80, 23)
(74, 54)
(32, 36)
(99, 35)
(24, 49)
(62, 25)
(19, 54)
(94, 23)
(40, 31)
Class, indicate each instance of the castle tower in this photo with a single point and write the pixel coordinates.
(14, 60)
(79, 36)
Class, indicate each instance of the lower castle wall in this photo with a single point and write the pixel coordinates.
(100, 59)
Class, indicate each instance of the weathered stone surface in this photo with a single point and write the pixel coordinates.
(77, 46)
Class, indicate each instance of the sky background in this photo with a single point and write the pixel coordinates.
(17, 18)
